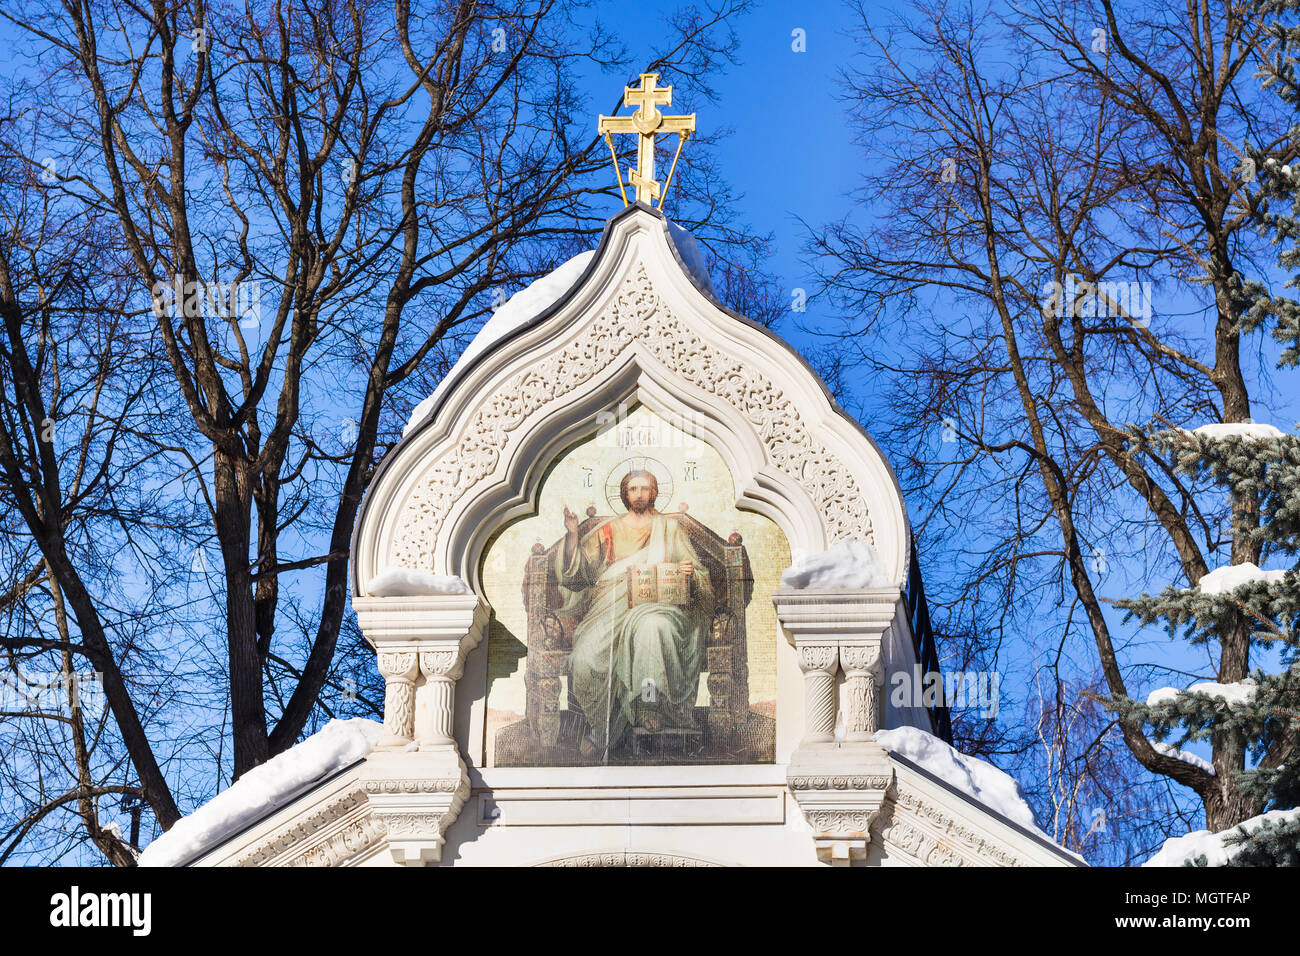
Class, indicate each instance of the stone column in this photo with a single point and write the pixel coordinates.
(399, 670)
(818, 663)
(843, 786)
(441, 670)
(862, 677)
(422, 642)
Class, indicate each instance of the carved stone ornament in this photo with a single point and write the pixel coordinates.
(841, 789)
(415, 812)
(842, 782)
(316, 839)
(862, 676)
(790, 444)
(932, 838)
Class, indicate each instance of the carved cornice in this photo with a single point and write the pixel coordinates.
(846, 617)
(304, 830)
(841, 782)
(421, 622)
(387, 812)
(413, 785)
(358, 835)
(922, 847)
(930, 837)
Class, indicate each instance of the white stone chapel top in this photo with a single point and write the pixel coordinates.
(638, 323)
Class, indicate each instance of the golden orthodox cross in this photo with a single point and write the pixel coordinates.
(646, 123)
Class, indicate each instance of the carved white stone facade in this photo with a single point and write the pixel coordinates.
(635, 329)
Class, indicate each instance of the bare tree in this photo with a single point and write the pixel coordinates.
(311, 205)
(1041, 175)
(76, 385)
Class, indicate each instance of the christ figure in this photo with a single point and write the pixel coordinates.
(632, 665)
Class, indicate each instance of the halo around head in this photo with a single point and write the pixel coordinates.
(662, 474)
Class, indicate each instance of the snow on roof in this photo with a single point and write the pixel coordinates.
(851, 563)
(692, 257)
(395, 582)
(1242, 429)
(538, 296)
(1226, 579)
(520, 309)
(1238, 692)
(976, 778)
(1184, 849)
(263, 789)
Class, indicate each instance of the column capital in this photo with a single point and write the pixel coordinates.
(426, 621)
(820, 616)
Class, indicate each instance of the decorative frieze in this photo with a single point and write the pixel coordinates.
(841, 782)
(305, 833)
(939, 830)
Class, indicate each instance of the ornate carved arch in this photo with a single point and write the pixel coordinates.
(641, 333)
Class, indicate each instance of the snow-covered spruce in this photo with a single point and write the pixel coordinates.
(1220, 849)
(1237, 692)
(1250, 716)
(335, 746)
(1169, 750)
(1255, 430)
(1227, 579)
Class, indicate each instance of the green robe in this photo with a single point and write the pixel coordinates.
(656, 649)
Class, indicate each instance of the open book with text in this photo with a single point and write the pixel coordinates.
(661, 583)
